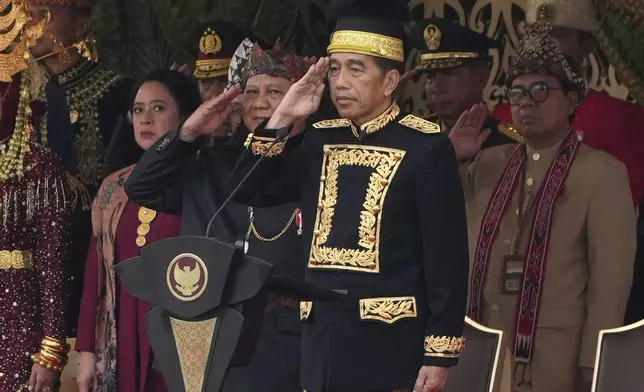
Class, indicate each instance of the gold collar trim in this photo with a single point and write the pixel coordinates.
(381, 121)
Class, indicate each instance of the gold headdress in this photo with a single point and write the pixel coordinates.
(11, 63)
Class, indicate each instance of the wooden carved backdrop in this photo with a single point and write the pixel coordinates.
(503, 20)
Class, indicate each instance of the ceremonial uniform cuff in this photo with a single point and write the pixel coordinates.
(171, 143)
(442, 351)
(263, 141)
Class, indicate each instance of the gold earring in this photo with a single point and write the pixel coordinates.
(85, 50)
(63, 55)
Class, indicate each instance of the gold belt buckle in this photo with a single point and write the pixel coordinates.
(16, 259)
(5, 260)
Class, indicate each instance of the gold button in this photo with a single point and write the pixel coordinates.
(536, 156)
(495, 308)
(322, 178)
(140, 241)
(146, 215)
(530, 182)
(316, 233)
(143, 229)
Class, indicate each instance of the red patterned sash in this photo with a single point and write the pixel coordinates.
(537, 249)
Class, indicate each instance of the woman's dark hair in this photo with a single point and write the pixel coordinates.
(183, 89)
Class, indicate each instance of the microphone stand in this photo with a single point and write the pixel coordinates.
(280, 136)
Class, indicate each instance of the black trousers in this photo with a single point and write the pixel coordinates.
(275, 366)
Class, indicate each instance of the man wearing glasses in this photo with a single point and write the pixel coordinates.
(551, 224)
(457, 63)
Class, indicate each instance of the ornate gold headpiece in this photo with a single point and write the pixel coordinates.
(17, 40)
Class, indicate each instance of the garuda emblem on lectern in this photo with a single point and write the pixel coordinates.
(187, 277)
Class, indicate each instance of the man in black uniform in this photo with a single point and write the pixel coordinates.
(457, 63)
(384, 216)
(183, 181)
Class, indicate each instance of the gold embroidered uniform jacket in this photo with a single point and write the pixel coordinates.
(383, 220)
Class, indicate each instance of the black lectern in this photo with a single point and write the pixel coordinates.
(208, 301)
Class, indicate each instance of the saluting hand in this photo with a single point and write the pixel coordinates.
(431, 379)
(209, 116)
(303, 98)
(466, 136)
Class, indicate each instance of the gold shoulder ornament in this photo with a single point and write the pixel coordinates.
(420, 124)
(510, 131)
(335, 123)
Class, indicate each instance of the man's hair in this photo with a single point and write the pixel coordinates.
(387, 65)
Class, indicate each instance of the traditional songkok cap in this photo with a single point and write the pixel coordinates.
(574, 14)
(369, 27)
(447, 44)
(217, 43)
(276, 62)
(538, 53)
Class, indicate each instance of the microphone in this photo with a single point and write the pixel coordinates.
(280, 135)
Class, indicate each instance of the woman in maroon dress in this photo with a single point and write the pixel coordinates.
(115, 352)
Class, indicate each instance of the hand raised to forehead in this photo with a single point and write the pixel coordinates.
(210, 115)
(466, 136)
(304, 97)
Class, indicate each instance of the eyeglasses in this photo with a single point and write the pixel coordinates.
(538, 93)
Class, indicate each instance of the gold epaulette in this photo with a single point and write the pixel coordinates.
(510, 131)
(419, 124)
(335, 123)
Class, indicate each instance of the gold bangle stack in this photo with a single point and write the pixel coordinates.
(52, 355)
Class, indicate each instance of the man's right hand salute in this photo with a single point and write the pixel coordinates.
(207, 119)
(303, 98)
(466, 136)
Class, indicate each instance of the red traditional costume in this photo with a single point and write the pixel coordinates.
(34, 214)
(111, 320)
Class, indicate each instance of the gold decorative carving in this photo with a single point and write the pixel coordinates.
(193, 341)
(505, 21)
(305, 310)
(385, 162)
(444, 346)
(388, 310)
